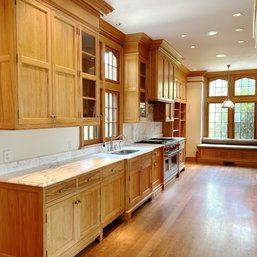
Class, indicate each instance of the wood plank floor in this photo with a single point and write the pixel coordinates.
(210, 211)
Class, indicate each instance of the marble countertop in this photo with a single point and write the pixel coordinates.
(47, 176)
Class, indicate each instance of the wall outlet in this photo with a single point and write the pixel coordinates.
(7, 155)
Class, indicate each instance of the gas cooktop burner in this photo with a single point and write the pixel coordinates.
(159, 140)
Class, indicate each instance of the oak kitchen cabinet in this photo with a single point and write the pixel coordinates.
(67, 216)
(162, 72)
(136, 77)
(41, 75)
(157, 169)
(112, 192)
(138, 182)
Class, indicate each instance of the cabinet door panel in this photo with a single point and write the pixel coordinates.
(64, 70)
(33, 30)
(146, 181)
(156, 173)
(33, 46)
(160, 76)
(34, 97)
(112, 198)
(89, 214)
(60, 227)
(134, 187)
(166, 79)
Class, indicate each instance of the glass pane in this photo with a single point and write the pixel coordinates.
(91, 132)
(89, 108)
(89, 88)
(106, 130)
(218, 121)
(245, 86)
(114, 73)
(244, 120)
(86, 133)
(88, 64)
(88, 43)
(218, 87)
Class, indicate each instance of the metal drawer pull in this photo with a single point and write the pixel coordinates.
(61, 190)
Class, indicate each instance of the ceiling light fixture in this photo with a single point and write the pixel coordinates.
(192, 46)
(240, 41)
(237, 14)
(118, 24)
(228, 103)
(239, 29)
(212, 33)
(220, 55)
(183, 35)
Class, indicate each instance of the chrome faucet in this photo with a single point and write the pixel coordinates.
(111, 148)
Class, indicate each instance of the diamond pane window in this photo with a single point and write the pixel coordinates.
(218, 121)
(218, 87)
(244, 120)
(245, 86)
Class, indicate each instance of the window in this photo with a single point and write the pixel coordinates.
(218, 121)
(245, 86)
(111, 114)
(218, 87)
(244, 121)
(91, 134)
(240, 122)
(111, 64)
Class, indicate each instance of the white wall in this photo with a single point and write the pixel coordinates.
(26, 144)
(194, 117)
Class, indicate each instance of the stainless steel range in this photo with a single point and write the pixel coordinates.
(171, 155)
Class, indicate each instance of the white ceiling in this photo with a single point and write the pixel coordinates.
(168, 19)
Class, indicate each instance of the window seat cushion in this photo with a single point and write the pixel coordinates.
(229, 141)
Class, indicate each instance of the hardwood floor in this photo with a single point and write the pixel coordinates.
(210, 211)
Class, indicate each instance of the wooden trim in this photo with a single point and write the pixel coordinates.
(111, 32)
(191, 159)
(199, 73)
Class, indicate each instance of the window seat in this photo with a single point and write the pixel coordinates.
(228, 151)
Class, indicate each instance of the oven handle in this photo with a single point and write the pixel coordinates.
(173, 153)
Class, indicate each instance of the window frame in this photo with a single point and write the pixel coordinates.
(117, 55)
(233, 76)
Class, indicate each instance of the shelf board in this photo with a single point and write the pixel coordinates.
(175, 130)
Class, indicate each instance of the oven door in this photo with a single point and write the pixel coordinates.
(171, 162)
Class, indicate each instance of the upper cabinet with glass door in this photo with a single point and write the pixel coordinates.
(89, 77)
(136, 53)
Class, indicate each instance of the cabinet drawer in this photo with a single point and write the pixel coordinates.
(113, 169)
(146, 160)
(134, 164)
(156, 153)
(89, 179)
(60, 190)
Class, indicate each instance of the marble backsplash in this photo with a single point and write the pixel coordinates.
(48, 160)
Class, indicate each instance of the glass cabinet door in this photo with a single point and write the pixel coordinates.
(142, 89)
(89, 75)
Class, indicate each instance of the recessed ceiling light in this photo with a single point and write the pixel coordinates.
(183, 35)
(240, 41)
(192, 46)
(221, 55)
(237, 14)
(239, 29)
(118, 24)
(212, 33)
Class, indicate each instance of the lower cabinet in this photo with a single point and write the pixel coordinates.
(157, 169)
(112, 193)
(138, 182)
(72, 222)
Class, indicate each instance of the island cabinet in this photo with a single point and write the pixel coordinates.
(138, 182)
(61, 219)
(136, 76)
(162, 72)
(41, 74)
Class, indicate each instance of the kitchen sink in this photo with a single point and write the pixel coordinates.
(124, 152)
